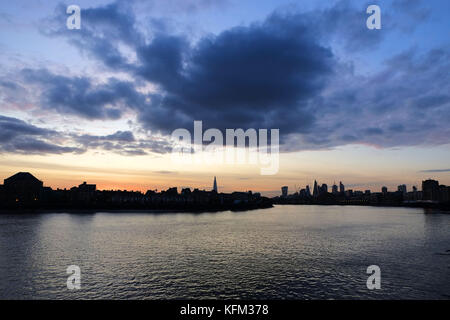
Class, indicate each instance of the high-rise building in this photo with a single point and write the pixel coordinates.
(324, 188)
(284, 191)
(444, 193)
(334, 189)
(384, 190)
(215, 184)
(341, 187)
(430, 189)
(316, 189)
(308, 191)
(402, 188)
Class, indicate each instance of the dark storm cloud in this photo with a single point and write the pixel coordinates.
(279, 73)
(404, 103)
(119, 136)
(17, 136)
(10, 128)
(260, 76)
(79, 96)
(124, 142)
(35, 146)
(250, 77)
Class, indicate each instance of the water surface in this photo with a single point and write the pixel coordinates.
(286, 252)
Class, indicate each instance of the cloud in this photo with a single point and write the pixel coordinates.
(104, 29)
(13, 95)
(282, 72)
(411, 13)
(17, 136)
(405, 103)
(436, 170)
(79, 96)
(179, 6)
(124, 142)
(259, 76)
(12, 127)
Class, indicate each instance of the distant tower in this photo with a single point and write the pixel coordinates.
(316, 189)
(341, 187)
(215, 184)
(402, 188)
(284, 191)
(384, 190)
(334, 189)
(308, 191)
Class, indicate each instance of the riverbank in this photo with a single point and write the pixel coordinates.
(197, 209)
(437, 206)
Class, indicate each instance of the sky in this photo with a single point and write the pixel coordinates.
(366, 107)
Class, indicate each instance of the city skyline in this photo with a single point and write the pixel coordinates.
(23, 191)
(368, 107)
(316, 187)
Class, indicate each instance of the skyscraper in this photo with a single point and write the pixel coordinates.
(402, 189)
(308, 191)
(215, 184)
(341, 187)
(334, 189)
(430, 189)
(316, 189)
(284, 191)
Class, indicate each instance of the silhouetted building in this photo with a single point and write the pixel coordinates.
(2, 193)
(444, 193)
(308, 191)
(430, 190)
(334, 189)
(284, 191)
(316, 189)
(384, 190)
(23, 187)
(186, 191)
(341, 187)
(85, 192)
(215, 185)
(302, 193)
(84, 187)
(402, 188)
(324, 188)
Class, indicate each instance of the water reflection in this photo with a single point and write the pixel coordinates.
(298, 252)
